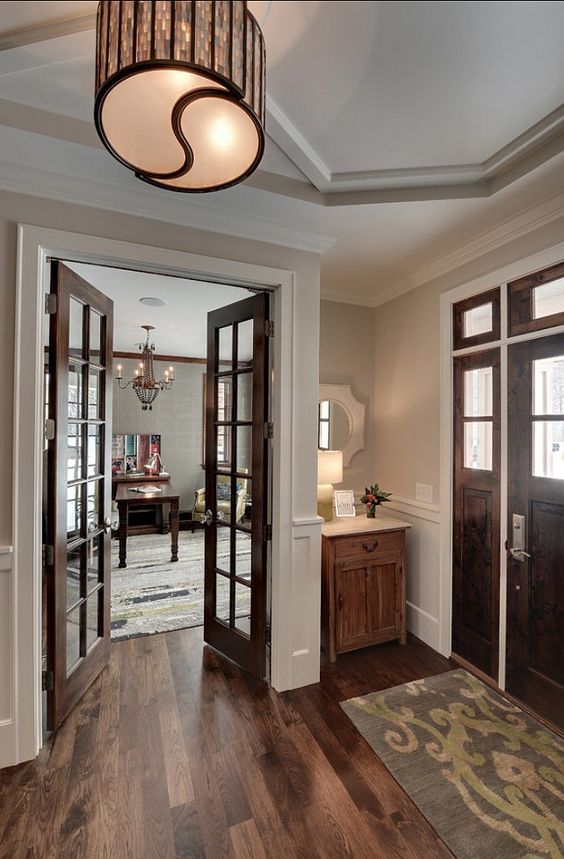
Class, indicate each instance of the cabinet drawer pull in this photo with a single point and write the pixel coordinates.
(368, 548)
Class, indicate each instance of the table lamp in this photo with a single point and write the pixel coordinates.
(329, 471)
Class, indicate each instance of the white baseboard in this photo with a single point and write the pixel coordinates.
(423, 625)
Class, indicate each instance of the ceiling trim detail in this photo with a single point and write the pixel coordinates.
(535, 217)
(143, 203)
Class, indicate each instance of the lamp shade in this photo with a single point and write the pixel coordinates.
(180, 95)
(329, 466)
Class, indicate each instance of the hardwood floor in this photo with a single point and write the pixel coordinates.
(176, 752)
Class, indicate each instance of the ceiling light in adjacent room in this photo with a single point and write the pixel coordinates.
(153, 302)
(180, 96)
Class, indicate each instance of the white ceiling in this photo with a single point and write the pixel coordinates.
(181, 325)
(399, 131)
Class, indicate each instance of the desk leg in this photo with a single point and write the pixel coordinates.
(173, 518)
(123, 513)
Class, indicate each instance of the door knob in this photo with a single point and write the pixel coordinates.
(519, 554)
(107, 525)
(208, 517)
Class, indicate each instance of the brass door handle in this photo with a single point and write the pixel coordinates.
(367, 548)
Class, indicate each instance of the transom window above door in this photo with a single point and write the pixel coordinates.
(536, 302)
(477, 320)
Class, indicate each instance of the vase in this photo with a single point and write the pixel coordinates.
(371, 513)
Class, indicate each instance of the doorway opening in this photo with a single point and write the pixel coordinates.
(157, 512)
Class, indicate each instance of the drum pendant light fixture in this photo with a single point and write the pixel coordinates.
(180, 90)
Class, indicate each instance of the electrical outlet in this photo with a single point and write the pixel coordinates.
(424, 492)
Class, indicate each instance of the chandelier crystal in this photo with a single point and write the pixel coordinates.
(180, 90)
(143, 382)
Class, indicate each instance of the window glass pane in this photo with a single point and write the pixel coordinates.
(73, 638)
(478, 392)
(243, 609)
(93, 618)
(223, 549)
(548, 386)
(244, 449)
(75, 390)
(94, 451)
(224, 388)
(74, 455)
(478, 445)
(94, 505)
(225, 347)
(243, 555)
(222, 590)
(245, 397)
(76, 317)
(95, 336)
(548, 449)
(223, 499)
(223, 439)
(478, 320)
(74, 511)
(548, 299)
(244, 502)
(73, 576)
(94, 393)
(94, 562)
(245, 342)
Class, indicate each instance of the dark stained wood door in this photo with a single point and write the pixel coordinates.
(476, 495)
(79, 490)
(236, 482)
(535, 576)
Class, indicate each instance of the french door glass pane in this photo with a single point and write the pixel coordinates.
(94, 393)
(223, 549)
(245, 397)
(95, 337)
(94, 562)
(73, 638)
(223, 499)
(243, 555)
(74, 511)
(243, 608)
(548, 299)
(93, 618)
(94, 505)
(74, 455)
(478, 320)
(222, 591)
(75, 390)
(76, 328)
(94, 450)
(478, 445)
(223, 447)
(244, 449)
(548, 449)
(245, 504)
(74, 557)
(245, 342)
(226, 347)
(548, 386)
(478, 393)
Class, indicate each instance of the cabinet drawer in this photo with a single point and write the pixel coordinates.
(368, 545)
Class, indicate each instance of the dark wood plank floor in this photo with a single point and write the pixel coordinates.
(175, 752)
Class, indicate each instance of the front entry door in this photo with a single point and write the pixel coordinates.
(535, 567)
(79, 466)
(236, 482)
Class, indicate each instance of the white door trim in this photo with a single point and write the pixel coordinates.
(500, 277)
(35, 246)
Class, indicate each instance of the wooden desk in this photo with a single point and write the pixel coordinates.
(363, 583)
(126, 498)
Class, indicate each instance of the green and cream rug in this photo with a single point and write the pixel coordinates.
(487, 776)
(153, 595)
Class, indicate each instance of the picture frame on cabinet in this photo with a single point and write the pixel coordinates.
(344, 503)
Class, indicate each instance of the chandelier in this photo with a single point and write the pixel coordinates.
(180, 90)
(143, 382)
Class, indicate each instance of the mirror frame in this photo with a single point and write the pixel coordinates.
(343, 396)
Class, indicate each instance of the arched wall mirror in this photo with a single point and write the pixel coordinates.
(341, 421)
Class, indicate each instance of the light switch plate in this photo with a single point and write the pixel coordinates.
(424, 492)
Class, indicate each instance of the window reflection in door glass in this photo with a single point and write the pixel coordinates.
(548, 386)
(478, 398)
(548, 449)
(478, 445)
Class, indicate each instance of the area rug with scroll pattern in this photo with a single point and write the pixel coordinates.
(154, 595)
(487, 776)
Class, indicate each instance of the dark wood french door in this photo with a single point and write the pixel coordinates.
(535, 566)
(79, 489)
(237, 432)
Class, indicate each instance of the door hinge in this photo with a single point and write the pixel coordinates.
(269, 430)
(51, 303)
(49, 429)
(48, 556)
(269, 328)
(47, 681)
(267, 633)
(268, 532)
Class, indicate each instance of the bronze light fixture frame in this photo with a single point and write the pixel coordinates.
(219, 40)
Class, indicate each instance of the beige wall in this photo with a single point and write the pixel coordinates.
(407, 369)
(346, 357)
(21, 208)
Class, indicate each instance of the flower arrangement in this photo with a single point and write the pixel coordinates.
(373, 496)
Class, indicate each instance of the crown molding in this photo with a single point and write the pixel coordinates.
(136, 200)
(532, 218)
(347, 296)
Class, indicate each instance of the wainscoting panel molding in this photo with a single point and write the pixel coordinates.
(306, 598)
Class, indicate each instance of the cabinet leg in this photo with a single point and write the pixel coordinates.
(173, 517)
(123, 514)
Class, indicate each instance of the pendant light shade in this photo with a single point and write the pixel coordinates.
(180, 90)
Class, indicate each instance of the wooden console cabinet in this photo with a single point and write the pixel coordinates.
(363, 583)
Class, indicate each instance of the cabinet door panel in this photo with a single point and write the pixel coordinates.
(382, 598)
(352, 619)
